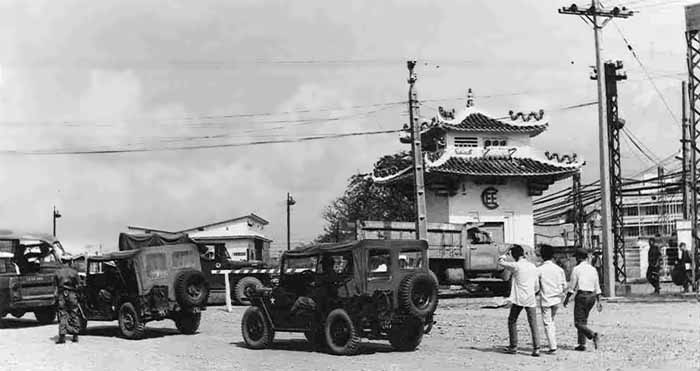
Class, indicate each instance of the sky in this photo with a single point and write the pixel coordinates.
(87, 75)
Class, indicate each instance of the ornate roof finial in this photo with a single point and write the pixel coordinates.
(470, 98)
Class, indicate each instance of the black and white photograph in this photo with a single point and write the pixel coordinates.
(503, 185)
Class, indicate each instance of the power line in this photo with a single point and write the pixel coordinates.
(636, 145)
(193, 147)
(646, 73)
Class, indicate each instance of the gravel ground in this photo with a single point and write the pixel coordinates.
(636, 336)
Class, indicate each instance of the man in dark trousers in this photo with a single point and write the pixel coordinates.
(586, 286)
(69, 313)
(654, 267)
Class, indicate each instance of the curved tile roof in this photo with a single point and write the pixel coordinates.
(477, 121)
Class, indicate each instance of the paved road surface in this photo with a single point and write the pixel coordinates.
(637, 336)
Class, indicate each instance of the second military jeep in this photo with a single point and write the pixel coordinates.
(147, 283)
(337, 294)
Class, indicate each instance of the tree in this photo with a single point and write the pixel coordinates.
(364, 199)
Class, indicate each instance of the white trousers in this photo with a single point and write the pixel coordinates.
(550, 330)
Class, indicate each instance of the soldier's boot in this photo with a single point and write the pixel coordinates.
(75, 338)
(61, 339)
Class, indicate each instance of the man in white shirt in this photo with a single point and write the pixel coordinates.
(552, 288)
(524, 286)
(584, 282)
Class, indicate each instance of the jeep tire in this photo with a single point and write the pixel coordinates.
(191, 289)
(243, 286)
(45, 316)
(418, 294)
(256, 329)
(342, 337)
(131, 325)
(188, 323)
(407, 335)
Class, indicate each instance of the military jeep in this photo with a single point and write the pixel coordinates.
(28, 262)
(337, 294)
(148, 283)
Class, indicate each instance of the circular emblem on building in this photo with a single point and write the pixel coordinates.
(489, 197)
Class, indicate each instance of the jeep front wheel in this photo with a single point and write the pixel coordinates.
(407, 335)
(188, 323)
(130, 324)
(418, 294)
(342, 337)
(257, 331)
(45, 316)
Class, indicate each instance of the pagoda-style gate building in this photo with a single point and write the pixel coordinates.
(481, 169)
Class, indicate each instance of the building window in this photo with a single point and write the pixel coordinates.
(462, 142)
(651, 210)
(631, 211)
(495, 142)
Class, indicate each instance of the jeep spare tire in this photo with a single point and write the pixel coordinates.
(191, 289)
(243, 287)
(418, 294)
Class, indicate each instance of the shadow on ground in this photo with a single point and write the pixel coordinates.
(300, 345)
(113, 331)
(19, 323)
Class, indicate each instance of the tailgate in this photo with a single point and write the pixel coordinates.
(33, 287)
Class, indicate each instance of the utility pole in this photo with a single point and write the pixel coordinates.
(56, 215)
(290, 202)
(578, 209)
(685, 152)
(613, 74)
(692, 37)
(417, 151)
(597, 17)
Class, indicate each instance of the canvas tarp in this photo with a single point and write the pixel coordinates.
(135, 241)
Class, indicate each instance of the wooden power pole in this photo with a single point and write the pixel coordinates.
(417, 151)
(597, 17)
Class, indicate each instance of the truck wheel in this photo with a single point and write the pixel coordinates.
(406, 336)
(257, 331)
(45, 316)
(243, 287)
(188, 323)
(17, 313)
(191, 289)
(130, 323)
(341, 334)
(418, 294)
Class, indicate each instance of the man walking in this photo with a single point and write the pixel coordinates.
(69, 314)
(654, 268)
(552, 288)
(585, 284)
(524, 286)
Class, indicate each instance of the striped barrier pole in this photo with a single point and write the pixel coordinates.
(228, 293)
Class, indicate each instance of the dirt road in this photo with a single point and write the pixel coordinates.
(636, 336)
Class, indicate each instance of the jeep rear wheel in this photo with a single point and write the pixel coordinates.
(341, 334)
(45, 316)
(244, 287)
(191, 289)
(188, 323)
(130, 324)
(418, 294)
(257, 331)
(406, 336)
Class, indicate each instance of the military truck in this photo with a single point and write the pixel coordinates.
(28, 262)
(460, 254)
(337, 294)
(144, 282)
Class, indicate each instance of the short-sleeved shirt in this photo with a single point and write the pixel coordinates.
(584, 278)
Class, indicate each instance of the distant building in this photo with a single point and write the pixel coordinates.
(481, 169)
(242, 237)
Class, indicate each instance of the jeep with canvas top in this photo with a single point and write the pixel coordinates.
(28, 262)
(337, 294)
(145, 283)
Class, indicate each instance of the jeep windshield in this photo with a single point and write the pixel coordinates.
(299, 264)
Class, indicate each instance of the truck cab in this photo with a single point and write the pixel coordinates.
(28, 262)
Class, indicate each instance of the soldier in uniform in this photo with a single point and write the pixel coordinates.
(69, 313)
(654, 267)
